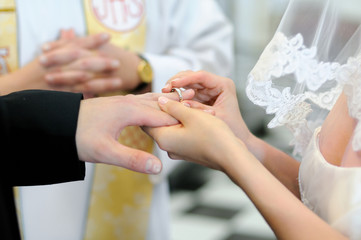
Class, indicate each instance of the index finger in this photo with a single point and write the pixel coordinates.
(132, 159)
(196, 80)
(187, 94)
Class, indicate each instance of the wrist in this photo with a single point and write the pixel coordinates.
(256, 146)
(235, 157)
(145, 74)
(31, 76)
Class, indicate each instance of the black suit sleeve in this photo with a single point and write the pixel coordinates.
(37, 136)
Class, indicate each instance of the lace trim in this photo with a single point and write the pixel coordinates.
(289, 57)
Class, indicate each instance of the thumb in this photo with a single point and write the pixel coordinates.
(133, 159)
(67, 34)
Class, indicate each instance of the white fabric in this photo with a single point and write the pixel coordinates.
(332, 192)
(181, 35)
(298, 78)
(312, 58)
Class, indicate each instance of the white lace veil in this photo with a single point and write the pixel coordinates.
(312, 58)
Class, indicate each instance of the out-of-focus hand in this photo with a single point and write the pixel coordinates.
(71, 63)
(200, 137)
(90, 64)
(102, 119)
(212, 93)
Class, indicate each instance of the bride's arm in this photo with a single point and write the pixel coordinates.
(281, 165)
(285, 214)
(206, 140)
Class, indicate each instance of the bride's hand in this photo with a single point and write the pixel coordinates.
(200, 137)
(216, 94)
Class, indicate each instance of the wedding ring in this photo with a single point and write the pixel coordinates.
(179, 93)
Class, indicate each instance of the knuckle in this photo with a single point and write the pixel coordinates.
(86, 86)
(133, 161)
(229, 82)
(84, 64)
(201, 74)
(74, 53)
(82, 77)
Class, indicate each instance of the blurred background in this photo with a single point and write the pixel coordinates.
(205, 204)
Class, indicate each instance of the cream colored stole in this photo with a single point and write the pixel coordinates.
(120, 199)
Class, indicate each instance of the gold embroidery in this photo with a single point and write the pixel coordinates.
(120, 200)
(8, 44)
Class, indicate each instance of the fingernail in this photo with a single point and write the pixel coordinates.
(175, 80)
(43, 59)
(186, 104)
(163, 100)
(46, 47)
(166, 86)
(115, 63)
(152, 166)
(187, 91)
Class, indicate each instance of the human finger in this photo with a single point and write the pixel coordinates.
(67, 34)
(187, 94)
(99, 85)
(93, 41)
(49, 46)
(168, 86)
(62, 56)
(88, 42)
(177, 110)
(200, 106)
(68, 77)
(148, 114)
(132, 159)
(165, 136)
(183, 95)
(197, 80)
(93, 64)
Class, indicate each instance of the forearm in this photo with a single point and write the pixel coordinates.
(30, 76)
(282, 166)
(285, 214)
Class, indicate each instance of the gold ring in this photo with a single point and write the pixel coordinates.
(179, 93)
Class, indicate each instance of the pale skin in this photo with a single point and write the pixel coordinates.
(102, 119)
(94, 70)
(32, 75)
(268, 176)
(90, 65)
